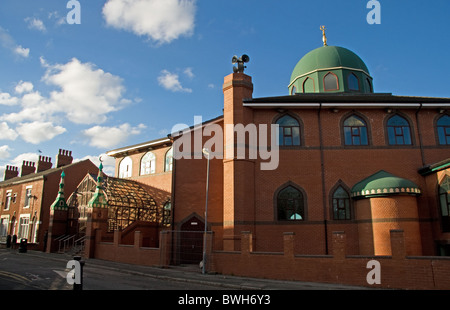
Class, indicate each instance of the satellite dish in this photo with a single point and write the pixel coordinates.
(245, 58)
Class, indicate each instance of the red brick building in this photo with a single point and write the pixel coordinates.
(27, 196)
(344, 158)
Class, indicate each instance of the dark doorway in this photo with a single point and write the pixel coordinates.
(191, 241)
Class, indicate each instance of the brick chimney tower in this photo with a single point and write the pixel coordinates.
(43, 164)
(28, 167)
(10, 172)
(63, 158)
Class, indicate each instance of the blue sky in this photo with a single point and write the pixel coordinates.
(132, 69)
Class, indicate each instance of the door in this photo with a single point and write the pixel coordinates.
(191, 241)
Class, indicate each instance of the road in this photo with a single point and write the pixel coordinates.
(21, 271)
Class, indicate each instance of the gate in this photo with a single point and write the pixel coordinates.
(191, 241)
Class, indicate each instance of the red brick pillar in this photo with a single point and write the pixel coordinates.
(398, 244)
(238, 174)
(98, 219)
(339, 245)
(288, 244)
(246, 243)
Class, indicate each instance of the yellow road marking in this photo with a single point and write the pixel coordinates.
(14, 276)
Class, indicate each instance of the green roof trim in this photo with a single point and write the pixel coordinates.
(383, 183)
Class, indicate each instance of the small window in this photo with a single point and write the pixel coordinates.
(169, 160)
(353, 82)
(27, 197)
(368, 85)
(443, 129)
(8, 199)
(341, 204)
(355, 131)
(330, 82)
(125, 168)
(167, 210)
(289, 131)
(293, 90)
(444, 199)
(148, 163)
(398, 130)
(308, 85)
(290, 204)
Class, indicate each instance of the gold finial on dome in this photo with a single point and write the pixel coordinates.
(324, 37)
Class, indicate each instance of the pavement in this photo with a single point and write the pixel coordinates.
(193, 274)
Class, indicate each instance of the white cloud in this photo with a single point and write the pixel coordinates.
(159, 20)
(24, 87)
(86, 93)
(4, 151)
(35, 23)
(21, 51)
(106, 137)
(6, 99)
(6, 41)
(108, 162)
(170, 81)
(36, 132)
(189, 73)
(6, 132)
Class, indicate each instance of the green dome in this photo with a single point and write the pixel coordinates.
(327, 57)
(338, 60)
(383, 183)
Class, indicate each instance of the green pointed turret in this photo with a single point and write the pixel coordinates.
(60, 201)
(98, 200)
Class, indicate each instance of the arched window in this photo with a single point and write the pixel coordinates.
(443, 129)
(353, 82)
(369, 85)
(308, 85)
(341, 204)
(330, 82)
(169, 160)
(289, 131)
(148, 163)
(355, 131)
(444, 199)
(167, 210)
(125, 167)
(398, 131)
(290, 204)
(293, 90)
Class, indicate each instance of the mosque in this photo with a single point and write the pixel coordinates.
(350, 159)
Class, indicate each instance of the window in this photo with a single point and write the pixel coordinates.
(4, 221)
(169, 160)
(27, 196)
(148, 163)
(293, 90)
(289, 131)
(444, 201)
(125, 168)
(398, 131)
(341, 204)
(308, 85)
(355, 131)
(8, 199)
(24, 223)
(166, 213)
(330, 82)
(443, 129)
(353, 82)
(290, 204)
(368, 85)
